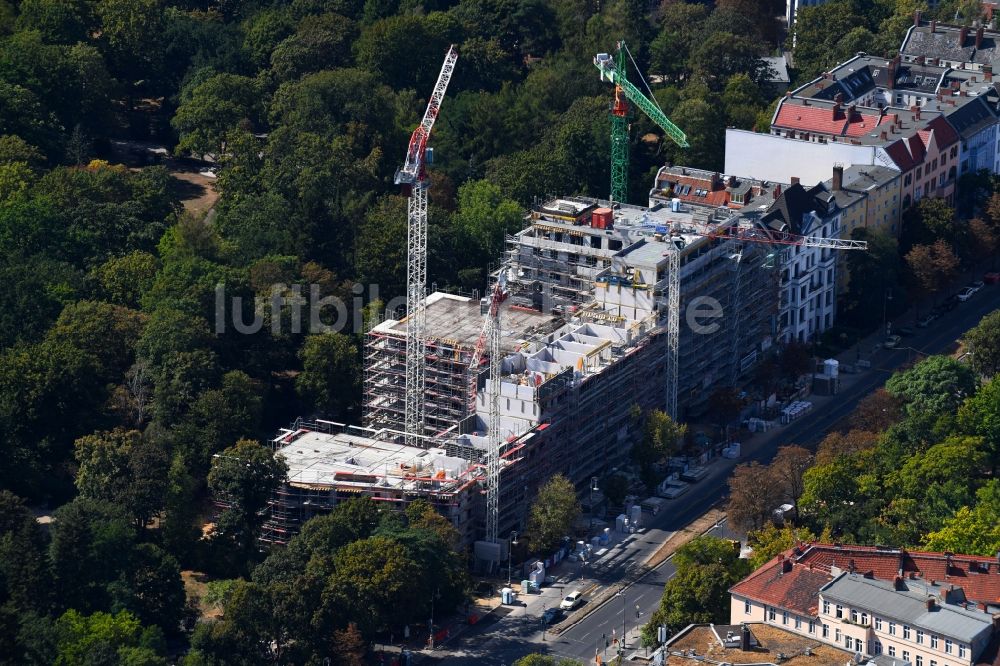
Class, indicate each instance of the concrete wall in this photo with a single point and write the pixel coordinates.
(777, 159)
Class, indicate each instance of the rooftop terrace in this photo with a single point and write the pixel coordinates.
(709, 644)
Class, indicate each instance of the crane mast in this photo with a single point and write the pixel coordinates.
(413, 177)
(489, 338)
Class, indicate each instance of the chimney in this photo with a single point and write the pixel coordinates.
(744, 637)
(788, 94)
(921, 59)
(916, 115)
(931, 603)
(777, 191)
(933, 25)
(838, 184)
(916, 18)
(963, 34)
(891, 72)
(883, 136)
(839, 98)
(987, 72)
(795, 180)
(979, 37)
(850, 563)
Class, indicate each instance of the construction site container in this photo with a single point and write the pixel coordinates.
(602, 218)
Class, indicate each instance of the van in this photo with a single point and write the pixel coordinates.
(572, 600)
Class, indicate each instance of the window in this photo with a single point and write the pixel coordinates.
(854, 616)
(812, 626)
(826, 631)
(770, 614)
(961, 651)
(798, 622)
(878, 624)
(933, 663)
(784, 617)
(920, 660)
(892, 628)
(864, 619)
(920, 636)
(892, 650)
(934, 641)
(877, 648)
(840, 609)
(906, 655)
(849, 643)
(747, 607)
(947, 645)
(836, 634)
(906, 632)
(859, 645)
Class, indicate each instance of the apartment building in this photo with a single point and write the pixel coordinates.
(918, 608)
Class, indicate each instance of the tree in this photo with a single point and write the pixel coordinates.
(243, 477)
(933, 266)
(661, 437)
(330, 375)
(545, 660)
(942, 479)
(837, 444)
(102, 638)
(877, 411)
(103, 460)
(980, 415)
(24, 574)
(873, 275)
(211, 109)
(795, 361)
(771, 540)
(787, 469)
(351, 647)
(699, 592)
(752, 496)
(553, 513)
(936, 385)
(123, 280)
(972, 530)
(91, 545)
(320, 42)
(983, 240)
(983, 342)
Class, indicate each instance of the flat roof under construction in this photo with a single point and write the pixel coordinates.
(341, 459)
(457, 320)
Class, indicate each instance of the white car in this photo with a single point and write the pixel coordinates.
(572, 600)
(966, 294)
(892, 342)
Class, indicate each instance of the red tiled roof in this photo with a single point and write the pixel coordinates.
(944, 133)
(862, 123)
(980, 584)
(810, 567)
(719, 197)
(810, 119)
(796, 590)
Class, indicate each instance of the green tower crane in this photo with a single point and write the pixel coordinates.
(613, 69)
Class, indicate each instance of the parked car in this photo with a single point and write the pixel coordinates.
(977, 285)
(991, 278)
(572, 600)
(892, 341)
(905, 331)
(549, 615)
(926, 320)
(966, 294)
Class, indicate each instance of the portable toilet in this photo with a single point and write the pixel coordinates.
(507, 596)
(635, 515)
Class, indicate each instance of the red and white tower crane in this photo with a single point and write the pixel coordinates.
(413, 177)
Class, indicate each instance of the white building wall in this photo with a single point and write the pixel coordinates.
(808, 306)
(777, 159)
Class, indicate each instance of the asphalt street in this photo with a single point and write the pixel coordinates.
(514, 633)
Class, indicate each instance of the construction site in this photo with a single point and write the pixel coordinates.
(599, 312)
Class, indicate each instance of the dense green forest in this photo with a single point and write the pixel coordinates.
(116, 388)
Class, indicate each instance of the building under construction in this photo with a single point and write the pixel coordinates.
(330, 462)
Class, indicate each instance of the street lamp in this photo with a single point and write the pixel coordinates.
(510, 550)
(886, 297)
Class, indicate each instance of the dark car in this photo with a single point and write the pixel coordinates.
(926, 320)
(549, 615)
(905, 331)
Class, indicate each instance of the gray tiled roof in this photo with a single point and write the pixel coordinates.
(908, 606)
